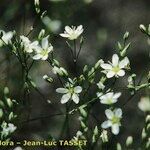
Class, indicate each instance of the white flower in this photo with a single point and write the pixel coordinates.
(109, 98)
(70, 92)
(113, 121)
(8, 128)
(6, 38)
(43, 51)
(29, 46)
(116, 68)
(144, 104)
(72, 33)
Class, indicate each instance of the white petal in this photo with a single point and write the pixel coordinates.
(45, 42)
(117, 95)
(115, 129)
(44, 57)
(110, 74)
(64, 35)
(36, 57)
(121, 73)
(124, 63)
(109, 95)
(61, 90)
(104, 101)
(34, 44)
(80, 27)
(75, 98)
(65, 98)
(78, 89)
(106, 124)
(68, 29)
(106, 66)
(115, 60)
(118, 112)
(109, 113)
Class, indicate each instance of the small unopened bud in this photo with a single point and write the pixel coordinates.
(6, 91)
(83, 112)
(9, 102)
(148, 127)
(37, 5)
(81, 40)
(147, 118)
(48, 79)
(126, 35)
(119, 146)
(1, 113)
(85, 69)
(2, 105)
(104, 136)
(129, 141)
(142, 28)
(97, 65)
(143, 134)
(11, 116)
(41, 34)
(148, 143)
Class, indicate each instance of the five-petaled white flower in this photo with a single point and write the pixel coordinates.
(116, 68)
(29, 46)
(6, 37)
(43, 51)
(113, 121)
(70, 92)
(72, 33)
(109, 98)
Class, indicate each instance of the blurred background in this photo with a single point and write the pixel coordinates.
(104, 24)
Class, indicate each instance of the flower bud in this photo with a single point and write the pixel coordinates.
(6, 91)
(97, 65)
(129, 141)
(147, 118)
(85, 69)
(48, 79)
(148, 127)
(9, 102)
(142, 28)
(143, 134)
(2, 105)
(11, 116)
(1, 113)
(83, 112)
(126, 35)
(104, 136)
(41, 34)
(119, 146)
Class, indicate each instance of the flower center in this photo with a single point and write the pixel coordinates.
(71, 90)
(44, 52)
(115, 120)
(116, 69)
(109, 100)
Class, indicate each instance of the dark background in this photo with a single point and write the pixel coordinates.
(104, 23)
